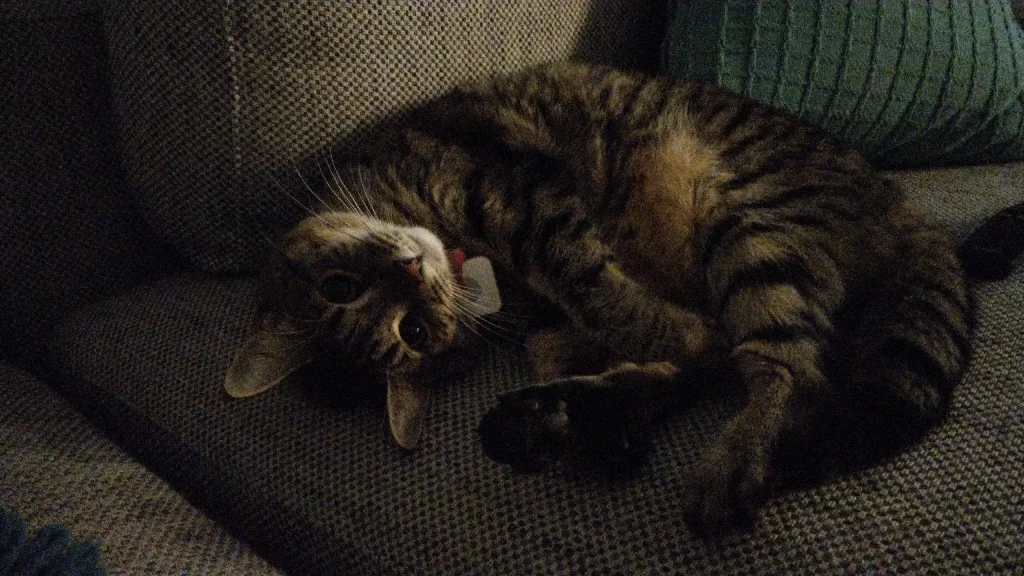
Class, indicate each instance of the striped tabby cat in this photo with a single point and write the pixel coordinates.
(687, 238)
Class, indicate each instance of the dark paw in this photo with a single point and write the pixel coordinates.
(591, 417)
(528, 428)
(725, 492)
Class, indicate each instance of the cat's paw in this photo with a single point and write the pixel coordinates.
(606, 419)
(725, 491)
(528, 429)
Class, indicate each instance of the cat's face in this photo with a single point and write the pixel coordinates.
(370, 299)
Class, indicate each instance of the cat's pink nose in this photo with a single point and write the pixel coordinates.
(414, 267)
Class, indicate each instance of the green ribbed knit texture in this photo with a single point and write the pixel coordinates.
(909, 82)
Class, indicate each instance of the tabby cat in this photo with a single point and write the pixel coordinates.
(687, 239)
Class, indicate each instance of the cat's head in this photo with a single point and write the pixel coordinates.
(374, 300)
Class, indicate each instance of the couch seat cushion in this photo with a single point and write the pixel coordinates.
(57, 468)
(325, 492)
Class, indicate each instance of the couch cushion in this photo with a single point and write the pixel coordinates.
(214, 100)
(55, 467)
(69, 233)
(325, 492)
(908, 83)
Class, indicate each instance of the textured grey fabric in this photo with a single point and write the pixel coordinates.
(962, 197)
(212, 99)
(57, 468)
(68, 232)
(23, 10)
(326, 492)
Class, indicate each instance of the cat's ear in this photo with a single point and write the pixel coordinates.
(275, 349)
(408, 399)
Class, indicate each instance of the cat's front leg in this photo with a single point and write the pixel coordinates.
(565, 260)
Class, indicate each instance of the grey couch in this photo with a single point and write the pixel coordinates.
(137, 181)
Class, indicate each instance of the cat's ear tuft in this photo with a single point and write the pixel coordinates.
(408, 400)
(274, 350)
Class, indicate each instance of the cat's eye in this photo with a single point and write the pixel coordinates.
(340, 288)
(412, 331)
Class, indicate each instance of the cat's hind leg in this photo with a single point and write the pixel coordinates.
(775, 294)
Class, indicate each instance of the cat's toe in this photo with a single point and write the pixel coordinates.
(527, 429)
(725, 493)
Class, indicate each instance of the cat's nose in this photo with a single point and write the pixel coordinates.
(413, 267)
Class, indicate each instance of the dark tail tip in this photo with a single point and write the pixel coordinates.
(988, 253)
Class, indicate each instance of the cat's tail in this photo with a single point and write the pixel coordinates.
(908, 344)
(988, 253)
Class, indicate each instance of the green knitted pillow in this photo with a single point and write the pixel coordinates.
(909, 82)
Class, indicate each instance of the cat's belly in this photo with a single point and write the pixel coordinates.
(656, 237)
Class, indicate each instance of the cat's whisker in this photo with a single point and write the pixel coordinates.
(365, 192)
(341, 192)
(494, 326)
(470, 326)
(308, 187)
(336, 174)
(275, 245)
(291, 196)
(489, 322)
(502, 332)
(327, 183)
(468, 297)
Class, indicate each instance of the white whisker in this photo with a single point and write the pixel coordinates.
(502, 332)
(292, 196)
(333, 168)
(327, 183)
(365, 192)
(321, 200)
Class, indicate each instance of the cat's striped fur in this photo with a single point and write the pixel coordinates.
(688, 235)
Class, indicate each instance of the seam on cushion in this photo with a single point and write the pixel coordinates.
(954, 123)
(925, 69)
(1011, 25)
(944, 86)
(895, 128)
(233, 47)
(996, 68)
(890, 92)
(748, 76)
(780, 67)
(953, 149)
(872, 67)
(834, 87)
(809, 75)
(720, 60)
(1008, 145)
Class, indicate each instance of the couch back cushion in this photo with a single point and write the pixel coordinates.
(69, 234)
(214, 100)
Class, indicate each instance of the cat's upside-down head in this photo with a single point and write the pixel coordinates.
(374, 298)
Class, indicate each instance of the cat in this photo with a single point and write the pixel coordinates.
(686, 239)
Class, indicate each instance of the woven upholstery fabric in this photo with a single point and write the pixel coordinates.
(57, 468)
(326, 492)
(68, 231)
(909, 83)
(213, 100)
(25, 10)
